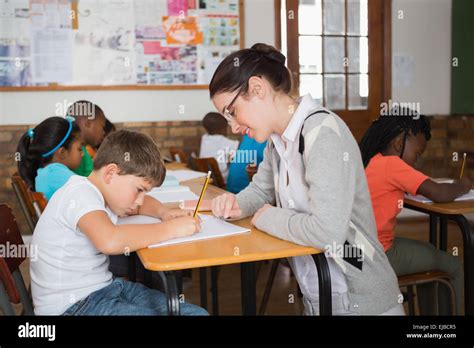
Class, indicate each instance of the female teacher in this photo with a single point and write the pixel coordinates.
(310, 188)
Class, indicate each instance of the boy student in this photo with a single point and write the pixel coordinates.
(215, 143)
(91, 120)
(77, 231)
(390, 149)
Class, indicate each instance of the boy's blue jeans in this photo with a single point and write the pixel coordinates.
(122, 297)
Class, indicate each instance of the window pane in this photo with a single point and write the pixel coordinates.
(358, 91)
(335, 92)
(333, 12)
(312, 84)
(333, 54)
(310, 54)
(309, 17)
(358, 48)
(357, 17)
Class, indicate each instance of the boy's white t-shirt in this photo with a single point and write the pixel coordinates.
(219, 147)
(68, 267)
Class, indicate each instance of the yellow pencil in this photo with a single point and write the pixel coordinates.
(463, 163)
(202, 193)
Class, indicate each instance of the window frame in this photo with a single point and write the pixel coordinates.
(379, 70)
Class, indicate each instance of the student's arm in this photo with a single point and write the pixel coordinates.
(332, 186)
(444, 192)
(113, 239)
(154, 208)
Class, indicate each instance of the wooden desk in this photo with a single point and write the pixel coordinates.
(443, 212)
(244, 249)
(175, 166)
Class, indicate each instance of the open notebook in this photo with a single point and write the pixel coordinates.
(185, 174)
(211, 227)
(173, 194)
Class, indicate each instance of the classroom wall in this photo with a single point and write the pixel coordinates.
(422, 39)
(137, 105)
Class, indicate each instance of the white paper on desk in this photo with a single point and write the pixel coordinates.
(211, 227)
(185, 174)
(137, 219)
(173, 194)
(419, 198)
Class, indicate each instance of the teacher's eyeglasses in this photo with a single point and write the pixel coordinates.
(228, 111)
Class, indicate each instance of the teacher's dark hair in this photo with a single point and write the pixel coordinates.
(259, 60)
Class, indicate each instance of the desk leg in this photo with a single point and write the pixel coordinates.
(203, 286)
(148, 279)
(433, 229)
(468, 238)
(171, 291)
(443, 234)
(214, 289)
(324, 280)
(132, 267)
(248, 288)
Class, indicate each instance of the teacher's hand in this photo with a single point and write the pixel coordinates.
(260, 212)
(226, 206)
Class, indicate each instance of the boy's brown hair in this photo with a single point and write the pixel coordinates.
(134, 153)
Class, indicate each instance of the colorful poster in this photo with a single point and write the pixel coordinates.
(115, 42)
(178, 8)
(51, 32)
(161, 64)
(104, 50)
(148, 19)
(15, 47)
(182, 31)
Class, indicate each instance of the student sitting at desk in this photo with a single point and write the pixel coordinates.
(249, 152)
(91, 120)
(77, 231)
(216, 144)
(49, 154)
(310, 188)
(390, 148)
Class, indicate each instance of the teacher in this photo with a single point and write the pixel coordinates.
(310, 188)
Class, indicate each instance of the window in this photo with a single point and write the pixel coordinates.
(335, 53)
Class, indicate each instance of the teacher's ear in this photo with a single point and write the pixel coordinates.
(258, 87)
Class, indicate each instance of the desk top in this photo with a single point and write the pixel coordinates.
(175, 166)
(451, 208)
(253, 246)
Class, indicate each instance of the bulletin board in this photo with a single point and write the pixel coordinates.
(115, 44)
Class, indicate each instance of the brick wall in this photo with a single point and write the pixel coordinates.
(450, 134)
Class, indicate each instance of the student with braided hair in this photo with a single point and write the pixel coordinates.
(390, 149)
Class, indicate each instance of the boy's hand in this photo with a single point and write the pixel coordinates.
(226, 206)
(171, 214)
(185, 226)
